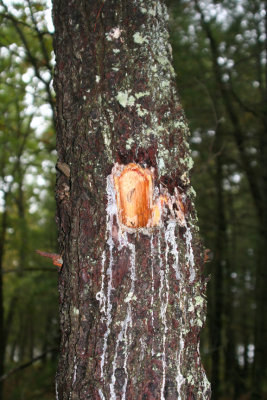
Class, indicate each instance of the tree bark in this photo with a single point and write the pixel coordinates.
(131, 286)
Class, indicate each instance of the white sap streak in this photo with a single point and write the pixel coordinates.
(129, 317)
(143, 345)
(131, 246)
(126, 324)
(129, 320)
(75, 371)
(102, 397)
(101, 296)
(104, 295)
(188, 238)
(171, 239)
(179, 377)
(164, 281)
(189, 253)
(161, 271)
(57, 398)
(105, 301)
(122, 337)
(171, 245)
(108, 308)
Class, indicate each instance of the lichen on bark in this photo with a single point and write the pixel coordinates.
(131, 301)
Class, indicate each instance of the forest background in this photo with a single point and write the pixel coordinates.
(220, 57)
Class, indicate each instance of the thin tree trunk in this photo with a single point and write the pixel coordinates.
(131, 285)
(259, 365)
(23, 338)
(13, 349)
(9, 320)
(45, 344)
(218, 276)
(231, 367)
(22, 223)
(2, 328)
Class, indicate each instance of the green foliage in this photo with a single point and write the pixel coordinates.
(34, 383)
(27, 205)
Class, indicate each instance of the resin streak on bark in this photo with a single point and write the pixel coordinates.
(160, 332)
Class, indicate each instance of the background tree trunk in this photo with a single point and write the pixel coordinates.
(218, 282)
(131, 299)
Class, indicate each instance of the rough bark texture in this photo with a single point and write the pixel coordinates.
(131, 300)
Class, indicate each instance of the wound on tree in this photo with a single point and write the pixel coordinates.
(134, 193)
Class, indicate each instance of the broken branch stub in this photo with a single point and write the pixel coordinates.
(134, 193)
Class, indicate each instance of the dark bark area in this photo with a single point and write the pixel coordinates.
(131, 301)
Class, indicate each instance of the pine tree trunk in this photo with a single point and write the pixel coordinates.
(131, 286)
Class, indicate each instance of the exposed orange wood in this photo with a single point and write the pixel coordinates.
(134, 188)
(134, 196)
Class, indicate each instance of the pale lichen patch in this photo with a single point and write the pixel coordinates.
(141, 111)
(199, 322)
(143, 10)
(125, 99)
(152, 11)
(185, 178)
(131, 101)
(76, 311)
(190, 379)
(192, 191)
(141, 94)
(139, 39)
(130, 297)
(161, 164)
(163, 60)
(182, 126)
(164, 83)
(191, 307)
(122, 98)
(129, 143)
(199, 301)
(114, 33)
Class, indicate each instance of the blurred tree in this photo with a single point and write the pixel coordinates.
(223, 47)
(27, 204)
